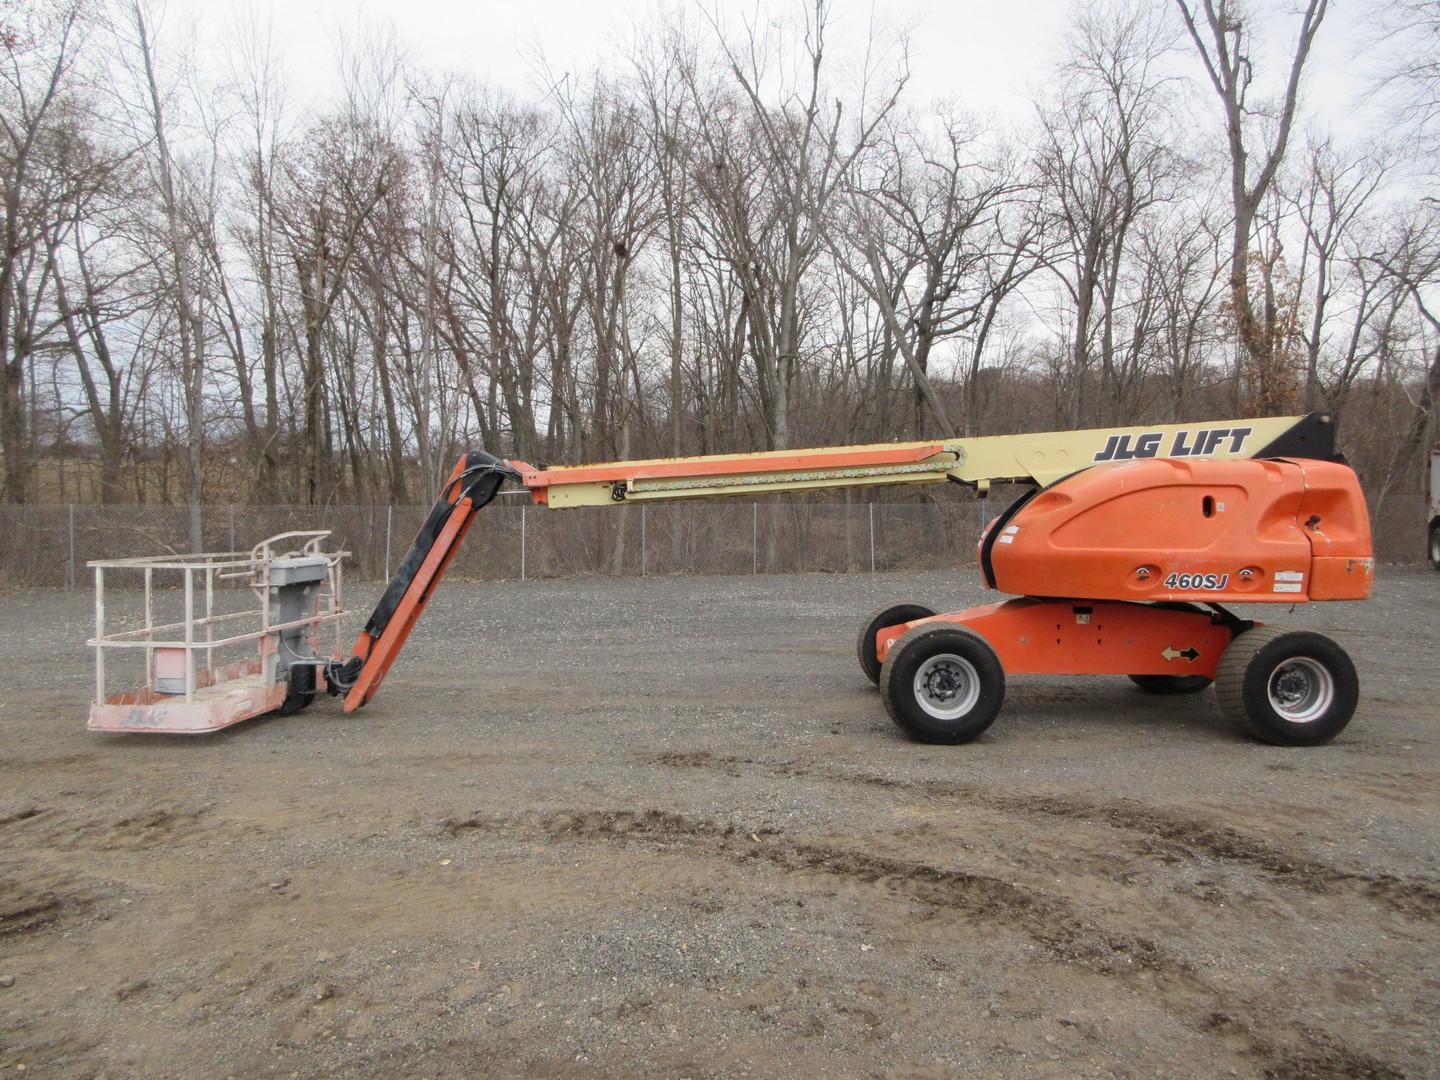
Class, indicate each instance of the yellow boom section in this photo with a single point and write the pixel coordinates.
(1040, 458)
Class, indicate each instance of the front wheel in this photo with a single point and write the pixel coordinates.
(942, 684)
(1435, 546)
(1287, 687)
(890, 616)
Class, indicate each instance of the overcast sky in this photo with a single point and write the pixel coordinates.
(991, 55)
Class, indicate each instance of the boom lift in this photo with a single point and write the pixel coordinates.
(1123, 552)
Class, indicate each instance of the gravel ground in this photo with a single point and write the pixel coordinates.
(664, 827)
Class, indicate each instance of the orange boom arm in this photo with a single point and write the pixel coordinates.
(474, 481)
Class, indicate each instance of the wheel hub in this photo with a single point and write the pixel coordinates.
(942, 684)
(947, 686)
(1292, 686)
(1301, 689)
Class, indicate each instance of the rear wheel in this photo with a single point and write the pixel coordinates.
(1171, 684)
(942, 684)
(1287, 687)
(890, 616)
(1435, 546)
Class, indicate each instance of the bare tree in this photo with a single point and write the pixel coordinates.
(739, 238)
(1330, 200)
(1406, 35)
(335, 178)
(1412, 259)
(180, 262)
(1182, 253)
(926, 223)
(98, 287)
(1105, 160)
(496, 157)
(262, 97)
(660, 72)
(803, 155)
(39, 54)
(1221, 33)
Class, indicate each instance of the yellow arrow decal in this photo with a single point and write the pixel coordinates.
(1189, 653)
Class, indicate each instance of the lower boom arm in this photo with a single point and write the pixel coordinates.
(474, 481)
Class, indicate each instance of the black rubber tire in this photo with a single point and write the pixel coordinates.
(1435, 546)
(897, 683)
(886, 616)
(1171, 684)
(302, 690)
(1242, 685)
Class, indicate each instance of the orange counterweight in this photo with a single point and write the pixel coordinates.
(1208, 531)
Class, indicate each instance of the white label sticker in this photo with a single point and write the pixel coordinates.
(1007, 539)
(1287, 586)
(1012, 529)
(1289, 575)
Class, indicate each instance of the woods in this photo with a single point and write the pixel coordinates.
(735, 236)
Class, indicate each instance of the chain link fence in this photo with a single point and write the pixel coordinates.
(43, 546)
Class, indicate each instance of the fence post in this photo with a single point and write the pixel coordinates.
(232, 528)
(755, 538)
(642, 539)
(522, 541)
(389, 521)
(872, 538)
(70, 573)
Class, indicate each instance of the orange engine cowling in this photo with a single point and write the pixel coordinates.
(1248, 531)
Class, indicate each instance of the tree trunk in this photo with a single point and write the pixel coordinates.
(13, 438)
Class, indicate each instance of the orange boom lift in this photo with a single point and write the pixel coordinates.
(1123, 554)
(1121, 559)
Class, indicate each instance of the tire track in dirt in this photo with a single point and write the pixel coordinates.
(28, 903)
(24, 814)
(1048, 920)
(1168, 832)
(22, 913)
(25, 909)
(1287, 1051)
(152, 826)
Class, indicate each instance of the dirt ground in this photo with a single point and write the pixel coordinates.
(663, 827)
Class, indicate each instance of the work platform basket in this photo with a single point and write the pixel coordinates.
(257, 644)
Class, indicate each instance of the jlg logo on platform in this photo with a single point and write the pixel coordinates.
(1185, 444)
